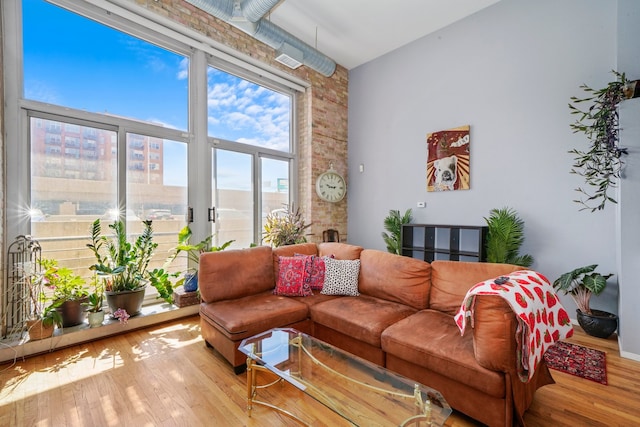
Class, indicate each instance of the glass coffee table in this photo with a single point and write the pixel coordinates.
(361, 392)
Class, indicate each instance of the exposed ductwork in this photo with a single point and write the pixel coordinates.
(247, 15)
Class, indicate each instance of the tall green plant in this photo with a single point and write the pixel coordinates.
(393, 224)
(125, 265)
(505, 236)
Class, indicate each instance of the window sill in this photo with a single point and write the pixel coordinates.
(66, 337)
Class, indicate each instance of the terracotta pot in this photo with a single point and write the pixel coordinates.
(130, 301)
(38, 331)
(599, 324)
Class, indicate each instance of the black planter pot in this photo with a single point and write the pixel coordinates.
(131, 301)
(599, 324)
(72, 312)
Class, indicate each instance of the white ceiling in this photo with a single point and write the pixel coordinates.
(352, 32)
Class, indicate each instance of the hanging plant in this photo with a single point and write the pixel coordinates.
(601, 164)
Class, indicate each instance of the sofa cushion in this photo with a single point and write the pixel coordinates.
(314, 299)
(292, 276)
(450, 281)
(395, 278)
(431, 338)
(341, 277)
(363, 318)
(339, 250)
(226, 274)
(244, 317)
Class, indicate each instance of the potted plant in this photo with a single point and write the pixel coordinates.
(69, 291)
(285, 227)
(504, 238)
(189, 281)
(581, 283)
(600, 165)
(125, 266)
(393, 224)
(43, 317)
(94, 304)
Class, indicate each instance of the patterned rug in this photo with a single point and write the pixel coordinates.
(577, 360)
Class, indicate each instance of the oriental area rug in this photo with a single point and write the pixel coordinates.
(578, 360)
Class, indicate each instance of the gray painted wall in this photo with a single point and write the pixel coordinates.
(508, 72)
(629, 208)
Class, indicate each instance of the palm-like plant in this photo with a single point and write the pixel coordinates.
(581, 283)
(504, 238)
(393, 224)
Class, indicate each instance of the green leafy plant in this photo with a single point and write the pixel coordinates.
(66, 285)
(194, 251)
(125, 265)
(393, 224)
(600, 165)
(41, 307)
(96, 298)
(285, 227)
(581, 283)
(504, 238)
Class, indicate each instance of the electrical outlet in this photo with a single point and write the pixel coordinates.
(422, 204)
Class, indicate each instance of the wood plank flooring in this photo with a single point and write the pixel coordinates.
(166, 376)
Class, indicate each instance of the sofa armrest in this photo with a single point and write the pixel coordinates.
(494, 334)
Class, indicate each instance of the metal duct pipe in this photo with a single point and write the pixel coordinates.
(274, 36)
(253, 10)
(267, 32)
(222, 9)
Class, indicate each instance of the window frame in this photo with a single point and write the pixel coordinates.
(164, 33)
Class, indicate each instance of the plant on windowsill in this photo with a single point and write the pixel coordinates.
(124, 266)
(43, 313)
(94, 304)
(393, 224)
(601, 164)
(285, 227)
(69, 291)
(581, 284)
(189, 281)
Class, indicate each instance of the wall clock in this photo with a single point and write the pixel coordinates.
(331, 186)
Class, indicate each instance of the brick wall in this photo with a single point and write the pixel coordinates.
(321, 112)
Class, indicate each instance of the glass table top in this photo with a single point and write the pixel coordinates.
(361, 392)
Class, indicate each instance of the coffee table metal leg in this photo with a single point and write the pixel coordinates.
(252, 391)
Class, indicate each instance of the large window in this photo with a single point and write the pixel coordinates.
(79, 63)
(108, 127)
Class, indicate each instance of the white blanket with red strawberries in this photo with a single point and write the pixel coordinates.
(542, 319)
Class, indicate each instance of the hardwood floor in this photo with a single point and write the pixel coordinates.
(166, 376)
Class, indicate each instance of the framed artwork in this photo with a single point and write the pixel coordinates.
(448, 160)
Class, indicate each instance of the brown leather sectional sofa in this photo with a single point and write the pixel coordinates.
(402, 320)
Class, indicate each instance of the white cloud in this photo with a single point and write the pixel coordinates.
(248, 113)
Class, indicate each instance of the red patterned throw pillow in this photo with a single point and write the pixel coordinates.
(315, 271)
(291, 278)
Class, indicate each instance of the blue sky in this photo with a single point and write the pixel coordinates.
(72, 61)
